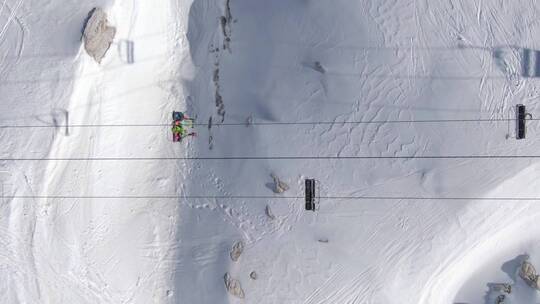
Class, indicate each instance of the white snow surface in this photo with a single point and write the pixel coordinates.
(286, 61)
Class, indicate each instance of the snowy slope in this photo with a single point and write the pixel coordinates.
(268, 61)
(383, 61)
(88, 250)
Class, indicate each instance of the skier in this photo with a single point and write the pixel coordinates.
(180, 128)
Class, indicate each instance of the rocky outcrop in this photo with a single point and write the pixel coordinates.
(233, 286)
(502, 287)
(237, 250)
(528, 273)
(98, 35)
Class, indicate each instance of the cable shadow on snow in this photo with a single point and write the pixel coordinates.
(511, 60)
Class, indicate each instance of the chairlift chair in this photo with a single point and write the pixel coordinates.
(311, 194)
(521, 117)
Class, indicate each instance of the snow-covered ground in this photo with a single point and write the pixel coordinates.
(268, 61)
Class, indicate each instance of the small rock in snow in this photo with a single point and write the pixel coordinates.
(318, 67)
(237, 250)
(503, 287)
(233, 286)
(279, 185)
(269, 213)
(253, 275)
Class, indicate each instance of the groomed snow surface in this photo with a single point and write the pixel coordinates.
(268, 61)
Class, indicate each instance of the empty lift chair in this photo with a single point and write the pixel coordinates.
(310, 194)
(521, 117)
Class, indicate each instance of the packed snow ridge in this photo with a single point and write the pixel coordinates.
(86, 82)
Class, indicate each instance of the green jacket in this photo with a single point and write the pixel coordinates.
(178, 130)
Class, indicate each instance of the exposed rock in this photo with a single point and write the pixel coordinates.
(269, 213)
(218, 98)
(279, 185)
(249, 121)
(98, 35)
(497, 293)
(318, 67)
(503, 287)
(226, 25)
(233, 286)
(253, 275)
(237, 250)
(528, 273)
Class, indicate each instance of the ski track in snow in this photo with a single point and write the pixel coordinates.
(11, 37)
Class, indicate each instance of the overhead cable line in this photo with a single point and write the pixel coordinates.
(217, 158)
(422, 198)
(266, 123)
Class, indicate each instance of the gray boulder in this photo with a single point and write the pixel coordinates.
(233, 286)
(98, 35)
(279, 185)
